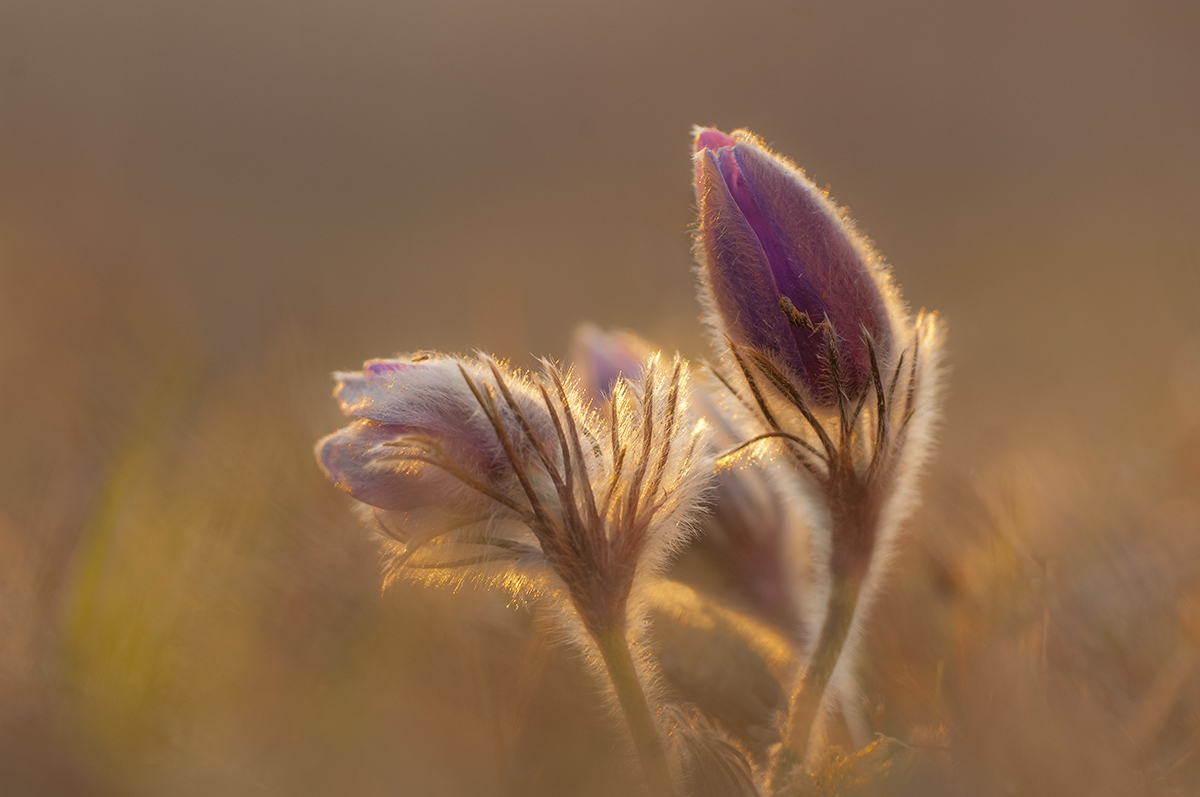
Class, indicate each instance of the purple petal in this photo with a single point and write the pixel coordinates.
(815, 264)
(772, 219)
(356, 460)
(739, 274)
(385, 366)
(603, 357)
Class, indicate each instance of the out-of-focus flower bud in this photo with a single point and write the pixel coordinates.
(751, 528)
(601, 358)
(729, 664)
(783, 267)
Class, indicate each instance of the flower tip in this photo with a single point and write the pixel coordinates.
(711, 138)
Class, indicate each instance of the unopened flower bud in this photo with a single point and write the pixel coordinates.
(784, 269)
(728, 663)
(601, 358)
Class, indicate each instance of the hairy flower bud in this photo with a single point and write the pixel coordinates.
(814, 330)
(568, 502)
(471, 462)
(726, 662)
(784, 269)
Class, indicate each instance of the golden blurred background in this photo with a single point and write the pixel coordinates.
(205, 207)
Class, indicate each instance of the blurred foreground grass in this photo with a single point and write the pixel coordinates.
(187, 607)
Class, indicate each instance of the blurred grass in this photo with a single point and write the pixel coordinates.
(209, 619)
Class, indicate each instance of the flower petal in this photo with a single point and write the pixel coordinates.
(738, 273)
(822, 271)
(357, 460)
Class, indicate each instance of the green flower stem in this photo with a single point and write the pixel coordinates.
(646, 740)
(806, 701)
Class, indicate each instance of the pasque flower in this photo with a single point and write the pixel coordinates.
(470, 467)
(818, 348)
(575, 490)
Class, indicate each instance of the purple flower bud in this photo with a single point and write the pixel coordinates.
(780, 260)
(601, 358)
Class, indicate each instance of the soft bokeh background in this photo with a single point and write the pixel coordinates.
(207, 206)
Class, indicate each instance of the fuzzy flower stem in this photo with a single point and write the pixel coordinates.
(646, 741)
(806, 701)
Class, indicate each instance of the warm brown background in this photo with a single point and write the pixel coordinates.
(207, 206)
